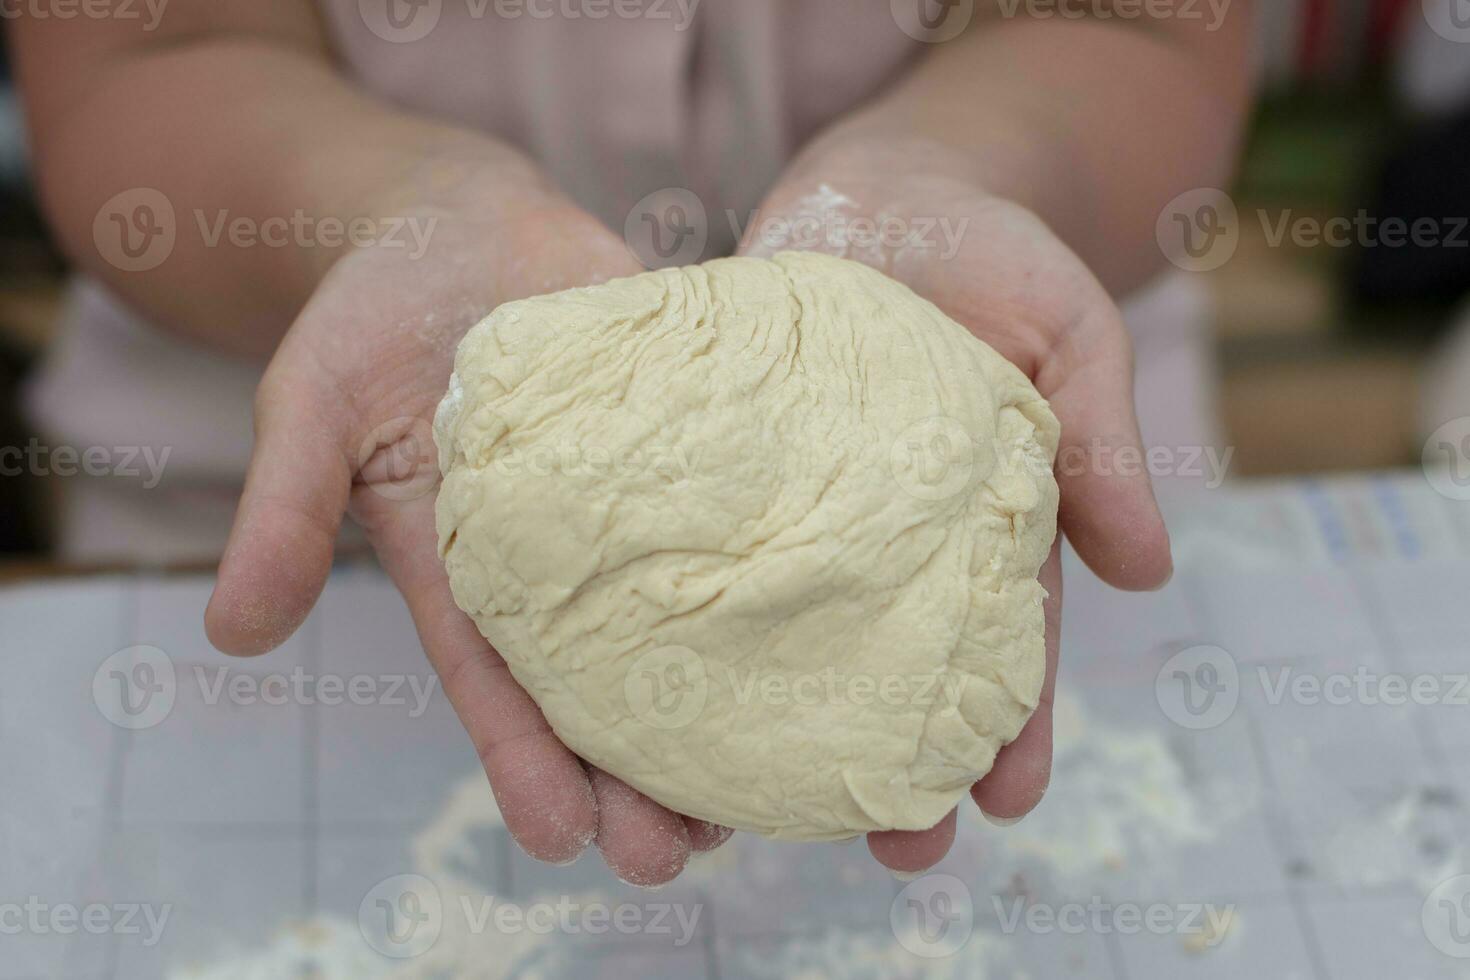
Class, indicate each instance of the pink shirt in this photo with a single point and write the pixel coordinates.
(710, 95)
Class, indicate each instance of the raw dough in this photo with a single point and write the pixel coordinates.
(760, 537)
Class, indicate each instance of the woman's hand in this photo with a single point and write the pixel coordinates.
(997, 269)
(343, 424)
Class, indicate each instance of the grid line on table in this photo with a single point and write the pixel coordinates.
(711, 949)
(1458, 512)
(1117, 962)
(1202, 617)
(1282, 837)
(1393, 654)
(129, 613)
(129, 616)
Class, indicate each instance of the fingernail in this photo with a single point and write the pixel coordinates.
(909, 875)
(1002, 821)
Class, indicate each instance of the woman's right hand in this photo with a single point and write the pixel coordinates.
(343, 425)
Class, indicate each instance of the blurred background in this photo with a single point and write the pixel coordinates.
(1328, 332)
(1314, 317)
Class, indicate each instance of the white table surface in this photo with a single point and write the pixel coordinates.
(265, 831)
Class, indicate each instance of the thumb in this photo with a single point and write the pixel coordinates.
(1108, 510)
(280, 548)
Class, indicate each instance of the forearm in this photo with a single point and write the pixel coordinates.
(1095, 125)
(239, 128)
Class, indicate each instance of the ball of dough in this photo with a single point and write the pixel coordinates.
(760, 537)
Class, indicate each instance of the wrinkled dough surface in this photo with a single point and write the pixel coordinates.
(760, 537)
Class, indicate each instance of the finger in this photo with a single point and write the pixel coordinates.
(1022, 770)
(706, 836)
(541, 788)
(644, 844)
(280, 548)
(1108, 510)
(913, 851)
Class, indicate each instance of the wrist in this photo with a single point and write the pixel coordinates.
(871, 154)
(469, 190)
(460, 172)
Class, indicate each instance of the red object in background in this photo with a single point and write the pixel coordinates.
(1312, 46)
(1386, 22)
(1338, 39)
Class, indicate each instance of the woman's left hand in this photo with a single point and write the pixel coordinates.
(996, 268)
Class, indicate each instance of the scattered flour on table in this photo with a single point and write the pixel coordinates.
(875, 956)
(332, 947)
(1410, 838)
(1117, 797)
